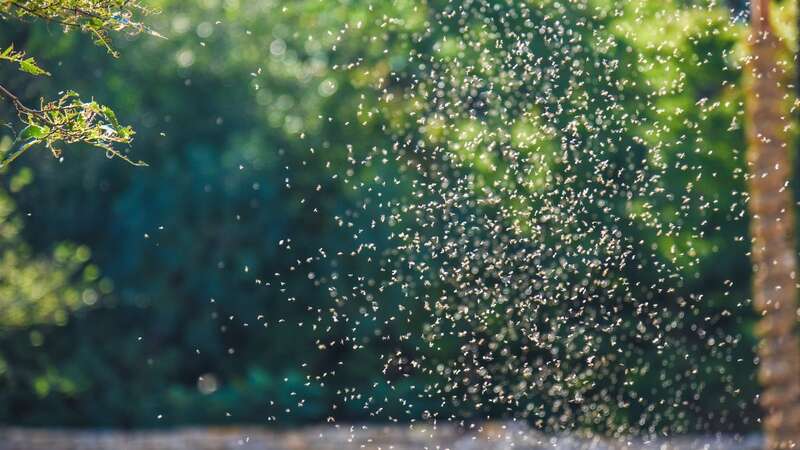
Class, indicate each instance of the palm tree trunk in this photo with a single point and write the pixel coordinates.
(772, 228)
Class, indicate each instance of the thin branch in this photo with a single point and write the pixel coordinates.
(16, 101)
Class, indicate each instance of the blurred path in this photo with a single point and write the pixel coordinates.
(494, 436)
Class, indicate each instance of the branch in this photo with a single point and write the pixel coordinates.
(10, 96)
(68, 120)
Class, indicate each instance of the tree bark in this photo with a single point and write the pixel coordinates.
(772, 228)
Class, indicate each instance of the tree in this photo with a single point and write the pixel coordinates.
(68, 119)
(772, 228)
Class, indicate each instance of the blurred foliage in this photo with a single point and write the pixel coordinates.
(225, 110)
(39, 290)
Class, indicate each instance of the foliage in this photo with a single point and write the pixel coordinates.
(94, 17)
(33, 289)
(68, 119)
(234, 101)
(26, 64)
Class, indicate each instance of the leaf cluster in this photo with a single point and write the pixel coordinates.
(95, 17)
(68, 119)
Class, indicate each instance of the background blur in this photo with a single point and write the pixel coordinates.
(107, 272)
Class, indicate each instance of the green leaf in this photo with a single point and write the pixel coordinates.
(111, 115)
(28, 65)
(33, 131)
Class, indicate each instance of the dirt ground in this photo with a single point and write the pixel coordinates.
(493, 436)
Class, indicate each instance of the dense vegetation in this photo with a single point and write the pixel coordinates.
(120, 286)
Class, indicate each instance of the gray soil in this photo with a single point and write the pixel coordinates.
(492, 436)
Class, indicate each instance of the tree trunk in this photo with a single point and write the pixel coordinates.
(772, 228)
